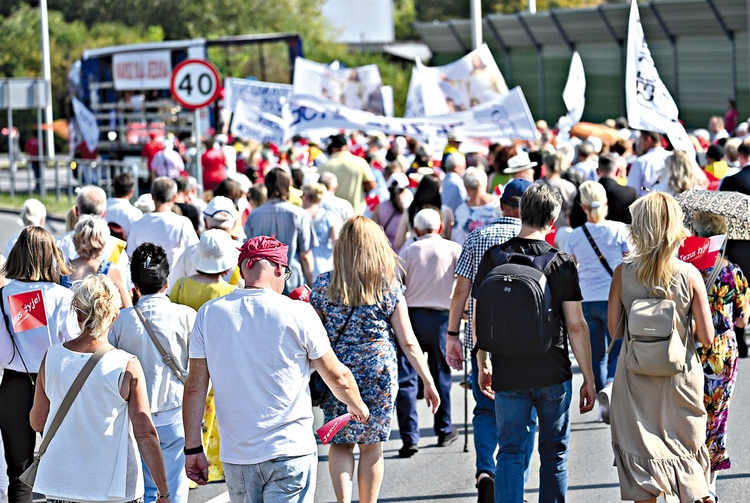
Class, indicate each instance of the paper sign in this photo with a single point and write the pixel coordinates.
(27, 311)
(329, 430)
(700, 252)
(141, 70)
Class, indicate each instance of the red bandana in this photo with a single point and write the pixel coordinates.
(263, 247)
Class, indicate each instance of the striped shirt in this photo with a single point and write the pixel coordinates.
(478, 242)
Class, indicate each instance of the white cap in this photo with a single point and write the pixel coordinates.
(400, 179)
(220, 208)
(217, 252)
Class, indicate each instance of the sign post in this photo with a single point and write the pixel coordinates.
(194, 85)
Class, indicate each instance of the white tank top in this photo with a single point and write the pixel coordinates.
(93, 457)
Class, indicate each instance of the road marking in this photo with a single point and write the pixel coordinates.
(222, 498)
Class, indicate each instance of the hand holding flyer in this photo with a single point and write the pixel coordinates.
(329, 430)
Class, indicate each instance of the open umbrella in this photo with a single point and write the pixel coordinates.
(733, 206)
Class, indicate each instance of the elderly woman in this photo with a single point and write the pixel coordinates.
(110, 420)
(33, 212)
(362, 306)
(728, 297)
(681, 173)
(479, 209)
(659, 422)
(35, 263)
(90, 237)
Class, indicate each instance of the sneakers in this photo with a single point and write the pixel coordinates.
(448, 439)
(486, 490)
(408, 450)
(604, 396)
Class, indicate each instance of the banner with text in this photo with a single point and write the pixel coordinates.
(266, 96)
(358, 88)
(138, 71)
(650, 106)
(87, 125)
(249, 122)
(470, 81)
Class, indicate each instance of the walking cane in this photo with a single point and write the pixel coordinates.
(466, 400)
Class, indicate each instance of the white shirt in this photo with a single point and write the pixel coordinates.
(122, 213)
(258, 345)
(9, 244)
(646, 170)
(169, 230)
(230, 154)
(587, 169)
(61, 325)
(184, 267)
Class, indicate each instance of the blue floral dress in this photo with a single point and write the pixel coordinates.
(368, 348)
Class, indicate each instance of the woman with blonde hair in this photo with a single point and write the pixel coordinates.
(659, 422)
(109, 421)
(681, 173)
(362, 305)
(89, 239)
(598, 246)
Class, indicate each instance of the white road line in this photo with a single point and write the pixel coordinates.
(222, 498)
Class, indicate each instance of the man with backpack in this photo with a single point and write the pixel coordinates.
(528, 305)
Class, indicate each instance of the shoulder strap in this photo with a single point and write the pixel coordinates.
(387, 222)
(343, 327)
(596, 250)
(165, 356)
(716, 270)
(70, 396)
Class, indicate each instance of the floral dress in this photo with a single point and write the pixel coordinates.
(728, 299)
(469, 218)
(368, 348)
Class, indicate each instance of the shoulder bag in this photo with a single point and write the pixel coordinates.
(318, 388)
(596, 250)
(28, 476)
(165, 356)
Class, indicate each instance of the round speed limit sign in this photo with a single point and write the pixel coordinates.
(195, 83)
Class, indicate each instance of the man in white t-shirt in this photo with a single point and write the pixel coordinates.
(119, 209)
(169, 230)
(258, 348)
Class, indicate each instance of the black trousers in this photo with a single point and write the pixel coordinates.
(19, 439)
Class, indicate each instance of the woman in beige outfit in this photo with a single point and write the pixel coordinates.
(659, 423)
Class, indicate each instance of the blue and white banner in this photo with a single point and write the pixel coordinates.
(649, 104)
(251, 123)
(87, 125)
(574, 96)
(266, 96)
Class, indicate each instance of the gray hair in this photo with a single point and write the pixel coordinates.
(163, 190)
(475, 179)
(91, 200)
(428, 219)
(452, 161)
(33, 212)
(540, 205)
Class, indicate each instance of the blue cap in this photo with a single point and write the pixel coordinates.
(514, 188)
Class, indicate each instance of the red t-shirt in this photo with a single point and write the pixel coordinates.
(32, 146)
(214, 168)
(151, 149)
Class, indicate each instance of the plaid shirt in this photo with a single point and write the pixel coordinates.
(477, 242)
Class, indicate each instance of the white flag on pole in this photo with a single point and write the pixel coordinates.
(650, 106)
(87, 125)
(574, 96)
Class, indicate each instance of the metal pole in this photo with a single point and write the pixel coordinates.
(40, 140)
(476, 23)
(532, 6)
(47, 74)
(11, 154)
(197, 132)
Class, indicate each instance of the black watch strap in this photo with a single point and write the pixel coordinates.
(193, 450)
(453, 333)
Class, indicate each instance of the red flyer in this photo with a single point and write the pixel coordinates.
(329, 430)
(27, 311)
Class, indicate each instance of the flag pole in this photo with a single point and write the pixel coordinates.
(47, 75)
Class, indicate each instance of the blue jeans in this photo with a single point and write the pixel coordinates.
(172, 440)
(431, 329)
(552, 404)
(281, 480)
(604, 365)
(485, 430)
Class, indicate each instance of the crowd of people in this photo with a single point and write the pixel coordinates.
(375, 262)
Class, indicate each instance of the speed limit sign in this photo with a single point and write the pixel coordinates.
(195, 83)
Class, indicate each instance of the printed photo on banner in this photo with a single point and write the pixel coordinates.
(358, 88)
(268, 97)
(27, 311)
(470, 81)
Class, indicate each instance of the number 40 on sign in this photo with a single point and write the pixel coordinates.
(194, 83)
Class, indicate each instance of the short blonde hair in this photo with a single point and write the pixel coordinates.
(594, 199)
(90, 236)
(684, 172)
(35, 257)
(97, 303)
(314, 192)
(364, 264)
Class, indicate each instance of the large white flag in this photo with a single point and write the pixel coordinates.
(250, 122)
(650, 106)
(574, 96)
(87, 125)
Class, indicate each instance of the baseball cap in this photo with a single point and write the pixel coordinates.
(221, 208)
(398, 179)
(514, 189)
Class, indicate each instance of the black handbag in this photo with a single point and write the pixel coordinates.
(318, 387)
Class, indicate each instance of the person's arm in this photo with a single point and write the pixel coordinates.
(484, 374)
(615, 318)
(704, 327)
(740, 306)
(193, 405)
(143, 427)
(401, 231)
(454, 354)
(580, 343)
(368, 185)
(339, 378)
(40, 409)
(306, 260)
(448, 222)
(410, 346)
(116, 276)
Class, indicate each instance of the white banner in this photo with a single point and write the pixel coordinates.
(132, 71)
(357, 88)
(506, 117)
(470, 81)
(650, 106)
(266, 96)
(574, 96)
(87, 125)
(249, 122)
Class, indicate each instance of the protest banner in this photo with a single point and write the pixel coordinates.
(266, 96)
(701, 252)
(137, 71)
(87, 125)
(249, 122)
(470, 81)
(650, 106)
(505, 117)
(358, 88)
(574, 96)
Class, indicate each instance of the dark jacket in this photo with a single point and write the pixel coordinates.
(619, 199)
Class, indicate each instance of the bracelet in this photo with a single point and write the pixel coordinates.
(193, 450)
(453, 333)
(162, 496)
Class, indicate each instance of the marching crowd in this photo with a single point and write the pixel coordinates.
(172, 342)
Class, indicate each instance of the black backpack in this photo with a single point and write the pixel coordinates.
(514, 313)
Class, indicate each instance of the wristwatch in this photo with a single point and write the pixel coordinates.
(162, 496)
(453, 333)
